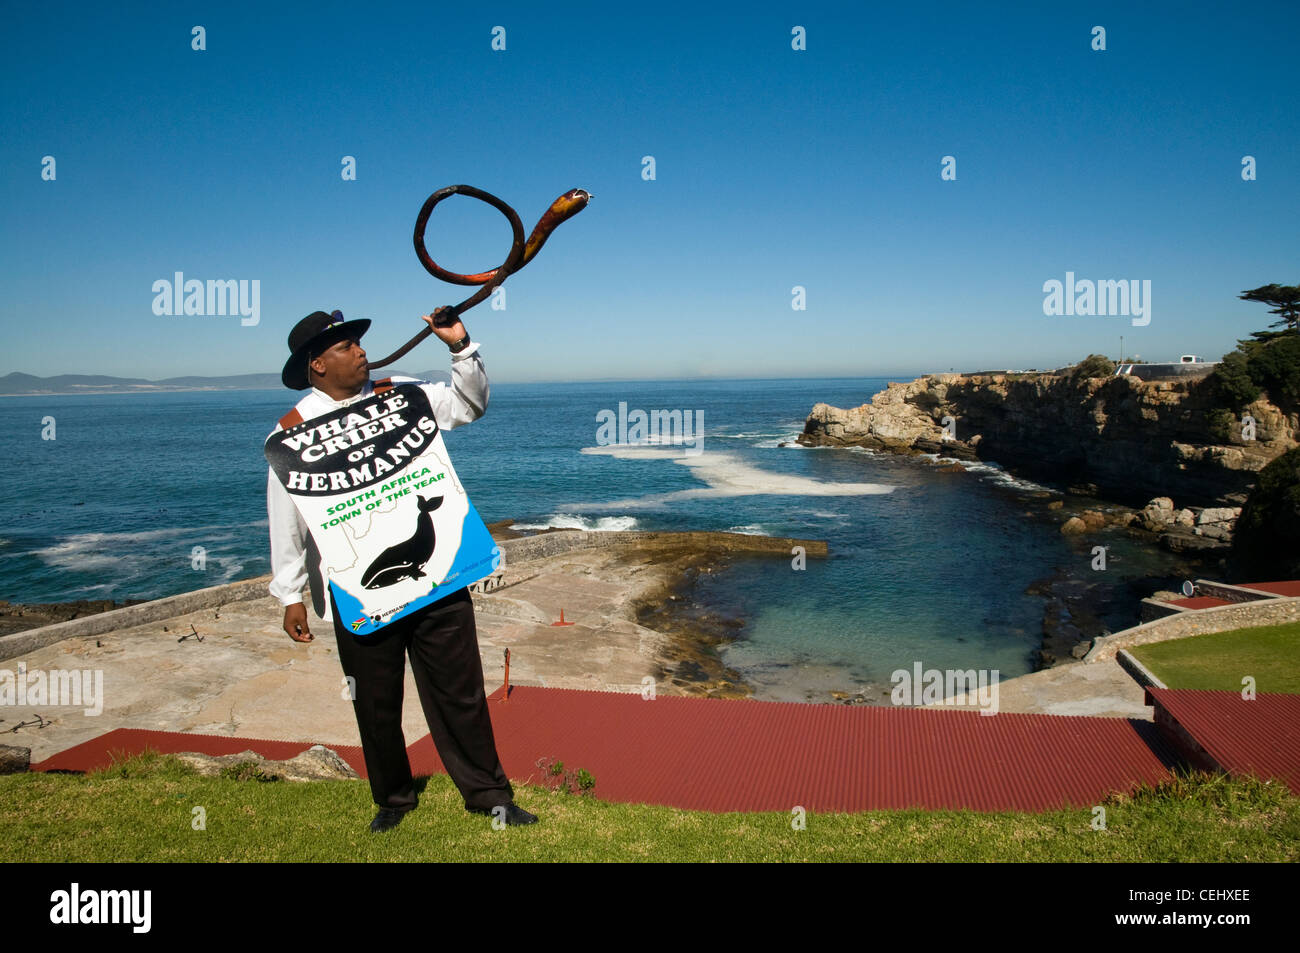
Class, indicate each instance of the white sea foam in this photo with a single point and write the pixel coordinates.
(81, 557)
(228, 568)
(85, 542)
(121, 552)
(569, 521)
(663, 440)
(765, 439)
(784, 441)
(726, 476)
(103, 587)
(990, 471)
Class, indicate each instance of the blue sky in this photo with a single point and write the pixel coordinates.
(774, 168)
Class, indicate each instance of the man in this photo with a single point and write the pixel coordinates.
(326, 355)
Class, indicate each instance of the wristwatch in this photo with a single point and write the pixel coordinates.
(459, 345)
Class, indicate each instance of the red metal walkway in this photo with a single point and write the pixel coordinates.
(1222, 731)
(1200, 602)
(1286, 588)
(715, 755)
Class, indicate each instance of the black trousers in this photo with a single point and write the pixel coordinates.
(442, 643)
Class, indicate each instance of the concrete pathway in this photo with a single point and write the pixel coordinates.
(248, 679)
(1102, 689)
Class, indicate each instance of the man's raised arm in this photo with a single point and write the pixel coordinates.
(466, 398)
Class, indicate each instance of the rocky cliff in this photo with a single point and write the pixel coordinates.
(1116, 437)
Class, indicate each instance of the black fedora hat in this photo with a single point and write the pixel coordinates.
(312, 335)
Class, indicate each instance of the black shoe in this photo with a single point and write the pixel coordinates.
(514, 815)
(386, 820)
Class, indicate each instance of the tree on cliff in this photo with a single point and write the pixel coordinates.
(1094, 365)
(1286, 303)
(1271, 366)
(1266, 542)
(1269, 361)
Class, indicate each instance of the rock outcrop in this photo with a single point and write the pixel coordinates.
(1118, 437)
(317, 763)
(1205, 530)
(14, 759)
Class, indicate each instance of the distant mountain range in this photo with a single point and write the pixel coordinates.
(18, 384)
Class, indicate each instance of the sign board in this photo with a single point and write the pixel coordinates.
(394, 527)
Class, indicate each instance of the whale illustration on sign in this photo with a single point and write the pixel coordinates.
(406, 559)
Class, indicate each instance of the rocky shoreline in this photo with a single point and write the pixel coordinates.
(1133, 445)
(1113, 455)
(688, 661)
(20, 616)
(691, 662)
(1079, 607)
(1116, 438)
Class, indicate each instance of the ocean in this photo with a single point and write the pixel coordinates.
(925, 565)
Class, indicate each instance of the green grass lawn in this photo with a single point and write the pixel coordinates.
(1270, 654)
(142, 810)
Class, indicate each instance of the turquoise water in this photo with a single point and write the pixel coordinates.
(924, 565)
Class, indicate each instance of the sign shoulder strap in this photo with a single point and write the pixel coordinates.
(293, 418)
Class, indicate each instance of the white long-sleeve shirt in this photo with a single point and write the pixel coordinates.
(464, 400)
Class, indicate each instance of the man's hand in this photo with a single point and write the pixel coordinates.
(295, 623)
(449, 335)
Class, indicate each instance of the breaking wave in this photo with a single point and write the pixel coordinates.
(725, 476)
(572, 521)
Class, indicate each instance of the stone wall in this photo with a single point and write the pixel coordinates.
(1152, 609)
(20, 643)
(1228, 592)
(552, 544)
(1202, 622)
